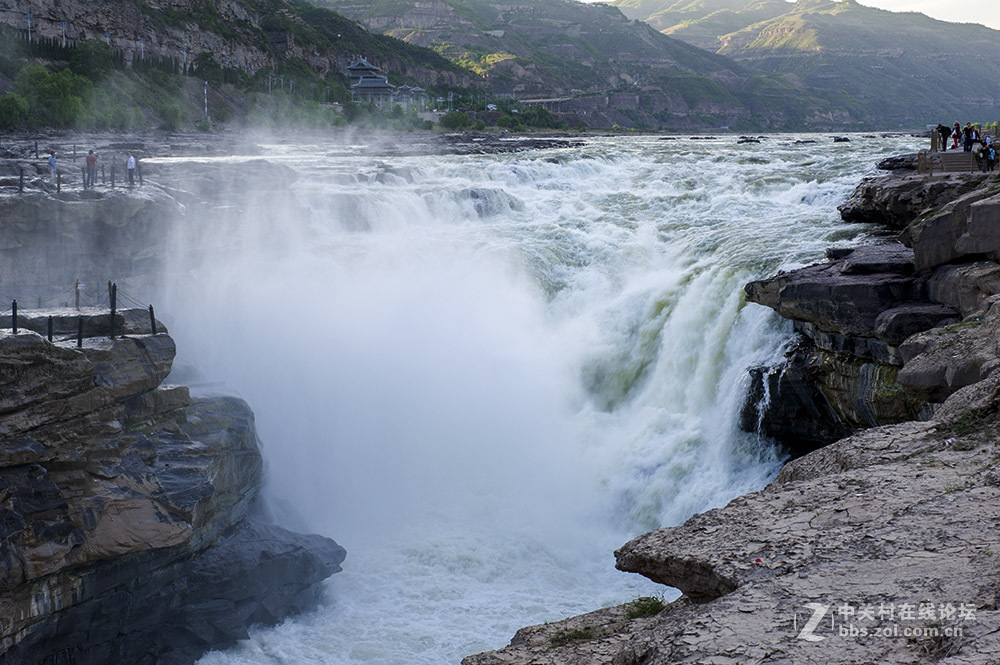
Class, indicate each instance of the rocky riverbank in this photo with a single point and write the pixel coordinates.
(130, 530)
(879, 547)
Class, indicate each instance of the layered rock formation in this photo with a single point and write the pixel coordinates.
(878, 548)
(861, 362)
(128, 510)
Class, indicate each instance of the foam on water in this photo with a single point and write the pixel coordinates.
(483, 381)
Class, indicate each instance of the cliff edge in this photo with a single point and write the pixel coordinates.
(129, 529)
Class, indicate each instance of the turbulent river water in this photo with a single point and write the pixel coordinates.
(484, 379)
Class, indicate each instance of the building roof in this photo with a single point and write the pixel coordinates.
(363, 65)
(373, 83)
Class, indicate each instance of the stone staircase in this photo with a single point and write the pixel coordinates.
(954, 160)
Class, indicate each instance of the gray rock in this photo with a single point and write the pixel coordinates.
(897, 200)
(969, 226)
(896, 515)
(125, 528)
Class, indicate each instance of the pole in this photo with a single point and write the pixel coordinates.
(79, 333)
(112, 175)
(152, 320)
(50, 327)
(78, 295)
(74, 152)
(36, 149)
(103, 179)
(20, 182)
(58, 181)
(114, 306)
(13, 316)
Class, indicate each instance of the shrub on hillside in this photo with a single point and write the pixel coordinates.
(455, 120)
(13, 110)
(57, 100)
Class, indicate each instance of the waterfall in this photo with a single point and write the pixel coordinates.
(482, 374)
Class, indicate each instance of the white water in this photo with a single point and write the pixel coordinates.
(482, 404)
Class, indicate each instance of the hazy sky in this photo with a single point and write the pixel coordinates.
(986, 12)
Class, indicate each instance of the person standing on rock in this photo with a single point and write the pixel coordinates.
(53, 169)
(956, 134)
(91, 170)
(945, 133)
(130, 167)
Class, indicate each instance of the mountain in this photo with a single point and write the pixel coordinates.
(277, 35)
(591, 61)
(700, 22)
(902, 68)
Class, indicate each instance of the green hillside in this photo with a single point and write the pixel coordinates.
(598, 63)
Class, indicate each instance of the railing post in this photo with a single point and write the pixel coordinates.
(58, 181)
(13, 316)
(50, 327)
(152, 320)
(79, 333)
(114, 306)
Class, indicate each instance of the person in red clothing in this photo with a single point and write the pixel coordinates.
(91, 178)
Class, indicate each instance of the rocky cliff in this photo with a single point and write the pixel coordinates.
(243, 34)
(129, 527)
(877, 548)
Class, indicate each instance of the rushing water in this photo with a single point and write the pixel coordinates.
(483, 381)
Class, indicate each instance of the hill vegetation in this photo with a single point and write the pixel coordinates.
(902, 68)
(592, 62)
(266, 61)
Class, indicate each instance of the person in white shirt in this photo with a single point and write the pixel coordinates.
(130, 167)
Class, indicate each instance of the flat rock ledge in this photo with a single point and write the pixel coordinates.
(904, 516)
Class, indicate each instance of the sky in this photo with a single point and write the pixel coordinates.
(986, 12)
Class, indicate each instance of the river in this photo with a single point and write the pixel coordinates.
(483, 379)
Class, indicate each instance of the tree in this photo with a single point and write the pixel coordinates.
(13, 110)
(91, 59)
(455, 120)
(57, 100)
(207, 68)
